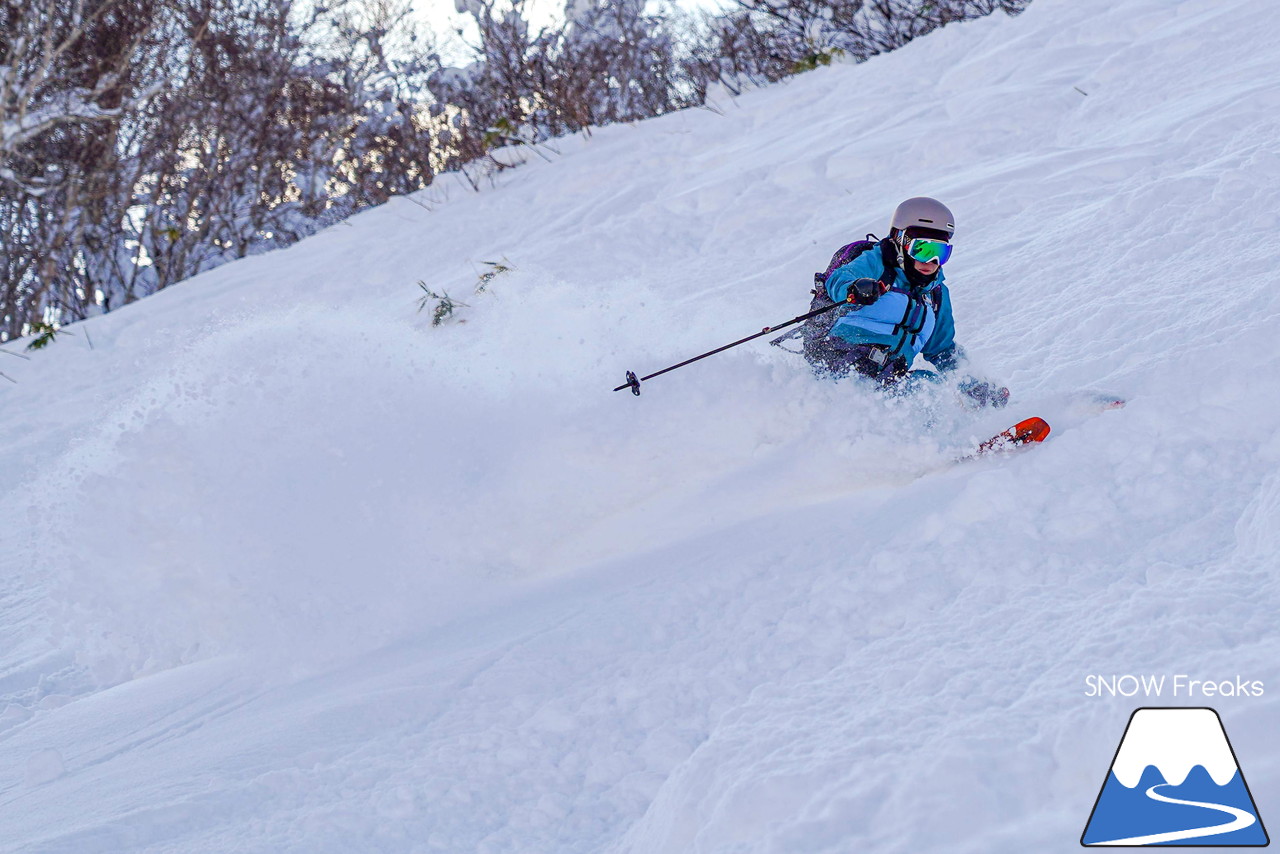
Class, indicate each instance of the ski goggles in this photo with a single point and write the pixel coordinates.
(928, 251)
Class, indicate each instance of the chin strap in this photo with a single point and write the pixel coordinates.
(891, 257)
(896, 254)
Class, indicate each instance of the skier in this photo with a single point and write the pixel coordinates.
(899, 305)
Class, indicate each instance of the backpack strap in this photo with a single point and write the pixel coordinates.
(904, 329)
(888, 260)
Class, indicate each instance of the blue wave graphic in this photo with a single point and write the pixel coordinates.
(1124, 813)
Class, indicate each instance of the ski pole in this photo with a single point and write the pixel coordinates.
(634, 384)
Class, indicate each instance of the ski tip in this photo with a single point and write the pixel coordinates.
(1030, 430)
(1025, 432)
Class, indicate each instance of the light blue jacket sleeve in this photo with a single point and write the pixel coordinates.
(866, 266)
(941, 348)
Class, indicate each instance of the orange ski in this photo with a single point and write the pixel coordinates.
(1022, 433)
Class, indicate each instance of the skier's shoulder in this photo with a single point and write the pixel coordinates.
(866, 263)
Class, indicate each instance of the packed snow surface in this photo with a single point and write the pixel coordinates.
(288, 569)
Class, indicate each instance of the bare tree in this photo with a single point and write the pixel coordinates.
(272, 122)
(59, 67)
(770, 39)
(145, 141)
(68, 81)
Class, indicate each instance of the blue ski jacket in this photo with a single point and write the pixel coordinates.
(907, 320)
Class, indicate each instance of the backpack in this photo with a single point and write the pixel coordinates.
(815, 330)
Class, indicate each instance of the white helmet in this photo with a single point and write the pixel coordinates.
(924, 217)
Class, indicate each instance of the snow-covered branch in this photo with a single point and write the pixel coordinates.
(50, 76)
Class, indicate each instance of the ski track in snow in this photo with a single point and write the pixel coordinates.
(287, 569)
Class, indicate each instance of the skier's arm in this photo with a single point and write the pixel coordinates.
(865, 266)
(941, 349)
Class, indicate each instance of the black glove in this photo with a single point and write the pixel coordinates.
(864, 291)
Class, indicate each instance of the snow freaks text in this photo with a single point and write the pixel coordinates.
(1178, 685)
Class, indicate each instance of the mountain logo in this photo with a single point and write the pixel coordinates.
(1175, 781)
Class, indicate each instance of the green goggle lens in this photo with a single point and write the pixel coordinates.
(927, 251)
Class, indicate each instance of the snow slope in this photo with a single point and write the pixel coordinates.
(288, 569)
